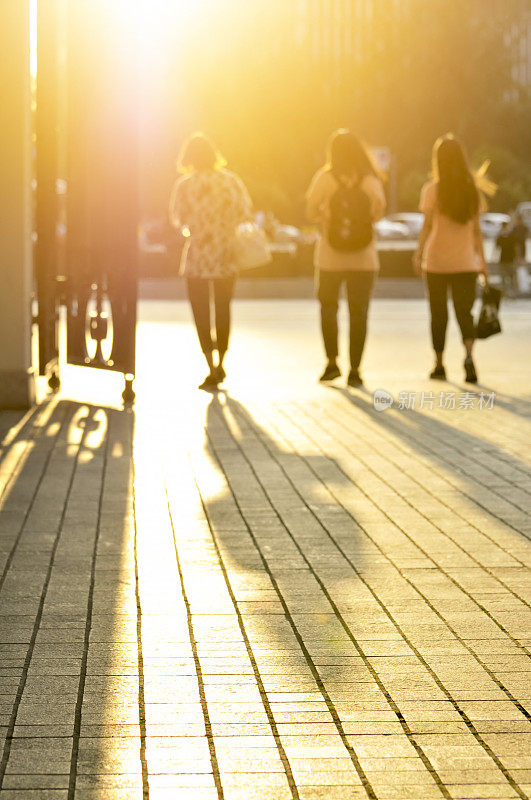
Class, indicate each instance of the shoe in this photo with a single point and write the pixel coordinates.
(332, 371)
(220, 373)
(470, 371)
(354, 378)
(210, 382)
(438, 374)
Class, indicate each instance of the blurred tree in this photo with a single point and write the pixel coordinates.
(270, 79)
(447, 66)
(409, 189)
(511, 173)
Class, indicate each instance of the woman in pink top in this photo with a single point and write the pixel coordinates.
(450, 248)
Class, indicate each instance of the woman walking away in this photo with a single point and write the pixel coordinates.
(450, 248)
(346, 197)
(207, 203)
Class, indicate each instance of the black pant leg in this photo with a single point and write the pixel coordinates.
(199, 296)
(223, 291)
(463, 295)
(359, 290)
(328, 294)
(437, 284)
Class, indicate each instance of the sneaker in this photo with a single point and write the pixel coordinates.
(354, 378)
(438, 374)
(332, 371)
(470, 371)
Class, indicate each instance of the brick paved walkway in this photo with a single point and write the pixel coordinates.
(272, 592)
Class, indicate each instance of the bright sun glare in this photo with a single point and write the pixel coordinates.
(33, 38)
(150, 25)
(147, 25)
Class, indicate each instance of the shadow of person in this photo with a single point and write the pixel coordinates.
(490, 476)
(295, 561)
(322, 579)
(520, 406)
(278, 529)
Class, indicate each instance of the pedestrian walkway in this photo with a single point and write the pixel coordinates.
(276, 591)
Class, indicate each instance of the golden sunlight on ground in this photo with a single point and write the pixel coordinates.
(276, 355)
(264, 592)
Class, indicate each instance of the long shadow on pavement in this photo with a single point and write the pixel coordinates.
(65, 596)
(298, 579)
(519, 406)
(491, 477)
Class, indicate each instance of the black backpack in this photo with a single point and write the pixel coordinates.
(350, 223)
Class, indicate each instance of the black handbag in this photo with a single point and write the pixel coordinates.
(488, 322)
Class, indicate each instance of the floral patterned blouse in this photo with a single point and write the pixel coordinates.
(207, 205)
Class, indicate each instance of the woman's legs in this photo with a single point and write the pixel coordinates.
(223, 291)
(437, 284)
(199, 296)
(463, 296)
(328, 293)
(359, 289)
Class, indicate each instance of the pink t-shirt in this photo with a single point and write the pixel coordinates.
(450, 246)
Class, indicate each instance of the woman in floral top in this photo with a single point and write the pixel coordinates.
(207, 204)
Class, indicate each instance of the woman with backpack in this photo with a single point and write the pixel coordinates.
(345, 197)
(450, 248)
(207, 203)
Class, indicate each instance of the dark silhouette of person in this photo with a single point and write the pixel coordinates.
(507, 245)
(348, 180)
(207, 203)
(450, 247)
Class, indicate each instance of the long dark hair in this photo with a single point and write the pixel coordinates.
(457, 195)
(347, 155)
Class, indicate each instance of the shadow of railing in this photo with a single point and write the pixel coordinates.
(270, 567)
(68, 620)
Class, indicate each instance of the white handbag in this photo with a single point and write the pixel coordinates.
(251, 248)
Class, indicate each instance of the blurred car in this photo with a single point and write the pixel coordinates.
(276, 231)
(388, 229)
(413, 220)
(285, 234)
(283, 238)
(491, 223)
